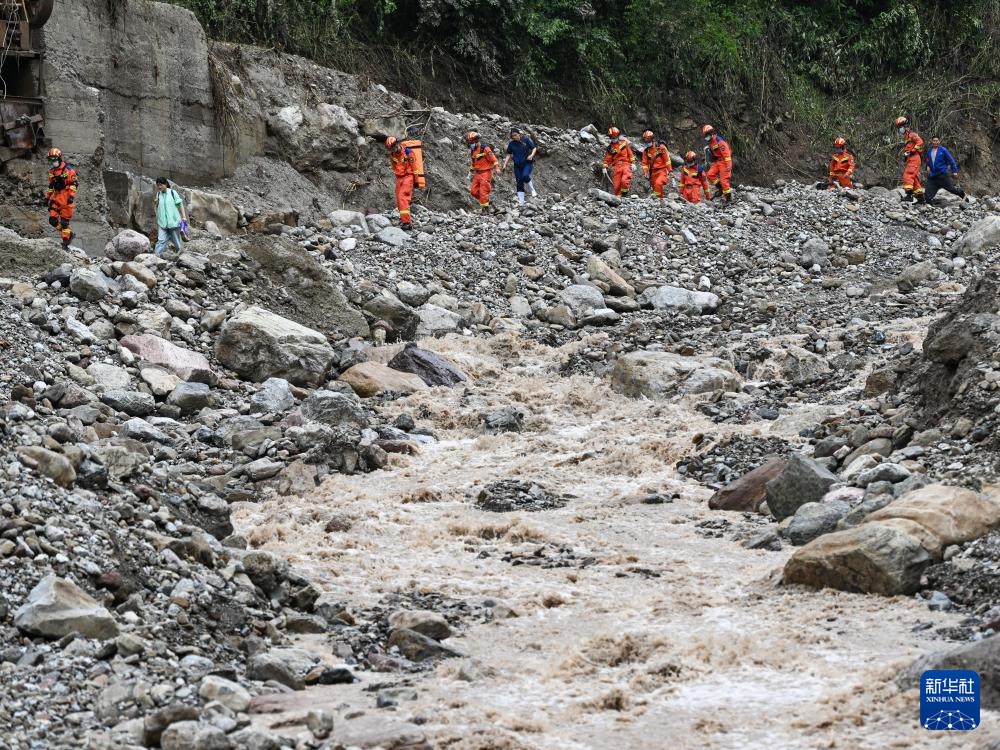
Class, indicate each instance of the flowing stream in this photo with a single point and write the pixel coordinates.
(642, 628)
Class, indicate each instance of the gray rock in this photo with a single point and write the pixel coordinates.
(802, 481)
(980, 656)
(285, 666)
(257, 345)
(676, 298)
(983, 235)
(189, 397)
(865, 509)
(814, 253)
(814, 519)
(417, 647)
(110, 377)
(57, 607)
(230, 694)
(263, 468)
(393, 236)
(140, 429)
(884, 472)
(664, 375)
(435, 321)
(334, 409)
(387, 306)
(917, 275)
(320, 723)
(90, 284)
(429, 366)
(133, 403)
(412, 294)
(274, 395)
(581, 299)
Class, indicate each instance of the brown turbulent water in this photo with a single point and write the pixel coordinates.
(671, 638)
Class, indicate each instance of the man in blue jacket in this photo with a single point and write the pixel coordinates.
(942, 169)
(523, 150)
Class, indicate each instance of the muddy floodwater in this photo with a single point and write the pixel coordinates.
(618, 623)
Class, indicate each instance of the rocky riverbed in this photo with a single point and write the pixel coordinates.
(618, 489)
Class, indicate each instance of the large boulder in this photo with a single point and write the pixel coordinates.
(889, 550)
(57, 607)
(186, 364)
(676, 298)
(802, 481)
(982, 235)
(320, 137)
(815, 519)
(870, 558)
(203, 207)
(126, 245)
(387, 306)
(429, 366)
(334, 409)
(315, 298)
(663, 375)
(371, 378)
(791, 363)
(748, 492)
(257, 345)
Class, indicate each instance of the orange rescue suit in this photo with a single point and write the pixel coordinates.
(656, 165)
(619, 155)
(913, 154)
(484, 161)
(417, 148)
(693, 183)
(61, 199)
(721, 168)
(842, 169)
(401, 160)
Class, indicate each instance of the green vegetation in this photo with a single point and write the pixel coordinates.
(753, 65)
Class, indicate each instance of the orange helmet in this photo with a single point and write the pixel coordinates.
(901, 122)
(390, 141)
(55, 153)
(614, 132)
(690, 156)
(647, 136)
(839, 143)
(471, 137)
(707, 130)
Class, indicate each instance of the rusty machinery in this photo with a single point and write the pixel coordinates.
(21, 108)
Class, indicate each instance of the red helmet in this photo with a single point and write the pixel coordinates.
(471, 137)
(55, 153)
(901, 122)
(647, 136)
(690, 156)
(707, 130)
(839, 143)
(614, 132)
(390, 141)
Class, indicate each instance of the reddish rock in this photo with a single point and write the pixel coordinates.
(748, 492)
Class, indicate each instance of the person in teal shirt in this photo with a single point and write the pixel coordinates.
(171, 218)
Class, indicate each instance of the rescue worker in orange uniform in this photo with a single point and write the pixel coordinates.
(416, 147)
(913, 155)
(484, 164)
(720, 158)
(656, 164)
(841, 166)
(401, 159)
(693, 179)
(60, 198)
(619, 155)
